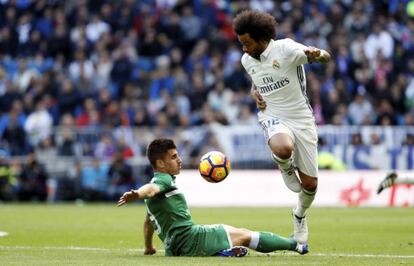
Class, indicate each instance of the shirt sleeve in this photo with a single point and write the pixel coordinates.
(163, 181)
(295, 52)
(243, 61)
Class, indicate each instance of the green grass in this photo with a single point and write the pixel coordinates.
(54, 235)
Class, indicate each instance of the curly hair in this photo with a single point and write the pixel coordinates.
(259, 25)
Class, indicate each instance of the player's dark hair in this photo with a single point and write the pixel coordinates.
(259, 25)
(158, 148)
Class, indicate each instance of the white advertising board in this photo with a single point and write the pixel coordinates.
(265, 188)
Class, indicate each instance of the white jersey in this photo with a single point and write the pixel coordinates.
(279, 77)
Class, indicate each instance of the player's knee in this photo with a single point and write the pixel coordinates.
(240, 236)
(246, 236)
(310, 184)
(281, 145)
(283, 150)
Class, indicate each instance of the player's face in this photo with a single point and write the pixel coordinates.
(172, 162)
(250, 46)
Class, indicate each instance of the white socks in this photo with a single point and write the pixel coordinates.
(305, 201)
(283, 163)
(254, 241)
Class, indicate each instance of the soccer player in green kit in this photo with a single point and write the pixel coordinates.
(168, 215)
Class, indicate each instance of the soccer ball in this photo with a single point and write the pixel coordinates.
(214, 166)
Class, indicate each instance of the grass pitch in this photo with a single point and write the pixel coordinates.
(107, 235)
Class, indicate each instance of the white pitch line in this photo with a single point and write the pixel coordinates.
(3, 233)
(162, 251)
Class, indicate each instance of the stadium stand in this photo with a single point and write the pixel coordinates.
(85, 80)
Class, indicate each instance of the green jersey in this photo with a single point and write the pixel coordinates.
(171, 219)
(168, 210)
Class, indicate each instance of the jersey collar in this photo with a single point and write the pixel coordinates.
(160, 173)
(266, 52)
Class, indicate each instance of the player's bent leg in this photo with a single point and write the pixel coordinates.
(281, 145)
(264, 241)
(310, 183)
(238, 236)
(306, 197)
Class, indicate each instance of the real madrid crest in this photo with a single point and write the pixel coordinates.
(275, 64)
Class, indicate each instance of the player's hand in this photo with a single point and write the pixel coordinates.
(260, 103)
(150, 251)
(312, 52)
(317, 55)
(127, 197)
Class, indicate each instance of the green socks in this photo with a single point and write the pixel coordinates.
(269, 242)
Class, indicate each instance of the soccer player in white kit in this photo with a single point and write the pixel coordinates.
(286, 117)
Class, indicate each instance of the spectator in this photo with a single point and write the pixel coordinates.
(8, 41)
(114, 117)
(105, 148)
(46, 151)
(24, 76)
(360, 110)
(67, 145)
(38, 125)
(94, 181)
(8, 180)
(81, 68)
(191, 27)
(103, 68)
(222, 99)
(87, 116)
(150, 46)
(69, 98)
(120, 176)
(69, 184)
(32, 181)
(15, 136)
(96, 28)
(121, 70)
(246, 116)
(327, 160)
(379, 41)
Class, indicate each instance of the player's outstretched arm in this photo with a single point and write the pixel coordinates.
(144, 192)
(148, 236)
(317, 55)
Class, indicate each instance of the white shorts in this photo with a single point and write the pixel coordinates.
(305, 140)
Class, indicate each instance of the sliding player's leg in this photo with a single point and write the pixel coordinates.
(263, 241)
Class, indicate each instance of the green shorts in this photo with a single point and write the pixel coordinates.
(199, 240)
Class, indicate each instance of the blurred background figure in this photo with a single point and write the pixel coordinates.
(95, 181)
(38, 125)
(120, 176)
(8, 181)
(33, 181)
(326, 159)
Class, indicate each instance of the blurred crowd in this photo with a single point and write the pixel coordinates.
(96, 180)
(113, 65)
(177, 63)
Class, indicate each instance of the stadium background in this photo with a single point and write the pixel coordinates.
(84, 85)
